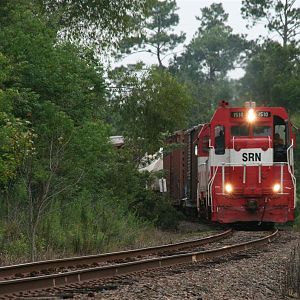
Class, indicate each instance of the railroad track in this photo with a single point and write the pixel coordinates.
(29, 274)
(14, 286)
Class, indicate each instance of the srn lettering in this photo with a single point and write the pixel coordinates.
(251, 157)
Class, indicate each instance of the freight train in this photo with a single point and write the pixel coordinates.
(237, 168)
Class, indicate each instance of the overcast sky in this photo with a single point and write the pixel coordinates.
(189, 9)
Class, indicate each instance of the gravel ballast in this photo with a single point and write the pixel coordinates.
(255, 274)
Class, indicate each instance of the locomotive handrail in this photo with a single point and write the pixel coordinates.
(282, 163)
(210, 188)
(281, 178)
(259, 165)
(223, 178)
(241, 165)
(253, 164)
(259, 172)
(203, 188)
(291, 153)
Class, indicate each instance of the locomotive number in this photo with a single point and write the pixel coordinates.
(259, 114)
(237, 114)
(251, 157)
(263, 114)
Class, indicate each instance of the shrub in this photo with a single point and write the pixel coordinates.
(156, 208)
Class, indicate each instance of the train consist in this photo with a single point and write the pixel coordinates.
(237, 168)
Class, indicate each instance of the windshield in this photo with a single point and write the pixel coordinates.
(240, 130)
(262, 130)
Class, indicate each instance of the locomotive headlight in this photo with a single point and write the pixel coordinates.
(228, 188)
(276, 188)
(251, 116)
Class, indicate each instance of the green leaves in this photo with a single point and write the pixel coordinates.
(101, 23)
(56, 159)
(212, 53)
(214, 48)
(17, 143)
(273, 75)
(153, 104)
(16, 136)
(282, 17)
(155, 35)
(213, 16)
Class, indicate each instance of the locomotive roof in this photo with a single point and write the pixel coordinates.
(237, 114)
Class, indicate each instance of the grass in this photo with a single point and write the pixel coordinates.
(144, 236)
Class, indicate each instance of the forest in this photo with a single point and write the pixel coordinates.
(64, 188)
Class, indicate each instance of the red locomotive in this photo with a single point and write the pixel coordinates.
(237, 168)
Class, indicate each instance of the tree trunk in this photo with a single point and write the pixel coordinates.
(159, 58)
(285, 28)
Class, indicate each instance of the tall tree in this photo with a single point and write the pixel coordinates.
(214, 46)
(273, 76)
(281, 16)
(156, 35)
(212, 53)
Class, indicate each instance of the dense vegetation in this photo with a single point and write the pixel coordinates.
(64, 188)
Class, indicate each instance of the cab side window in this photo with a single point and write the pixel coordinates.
(219, 140)
(279, 135)
(280, 140)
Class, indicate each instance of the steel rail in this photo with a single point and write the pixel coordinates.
(27, 268)
(56, 280)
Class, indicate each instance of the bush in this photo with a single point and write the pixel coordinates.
(156, 208)
(13, 243)
(90, 224)
(167, 216)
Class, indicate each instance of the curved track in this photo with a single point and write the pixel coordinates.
(60, 279)
(85, 264)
